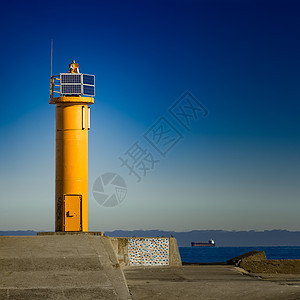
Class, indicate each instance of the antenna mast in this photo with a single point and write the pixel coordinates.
(51, 54)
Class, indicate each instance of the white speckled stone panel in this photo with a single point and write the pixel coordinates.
(148, 251)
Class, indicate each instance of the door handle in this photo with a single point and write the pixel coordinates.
(68, 214)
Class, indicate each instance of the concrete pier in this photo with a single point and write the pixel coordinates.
(88, 266)
(209, 282)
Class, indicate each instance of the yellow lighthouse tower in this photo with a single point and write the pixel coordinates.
(72, 93)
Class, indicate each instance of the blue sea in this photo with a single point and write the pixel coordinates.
(222, 254)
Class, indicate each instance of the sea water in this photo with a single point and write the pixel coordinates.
(222, 254)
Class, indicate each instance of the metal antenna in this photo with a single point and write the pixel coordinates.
(51, 54)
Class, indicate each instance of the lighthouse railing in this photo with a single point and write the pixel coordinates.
(54, 85)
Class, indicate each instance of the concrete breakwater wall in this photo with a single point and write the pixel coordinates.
(60, 266)
(257, 262)
(137, 251)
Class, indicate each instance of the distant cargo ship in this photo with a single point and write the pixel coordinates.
(211, 243)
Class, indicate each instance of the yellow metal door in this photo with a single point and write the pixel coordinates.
(72, 213)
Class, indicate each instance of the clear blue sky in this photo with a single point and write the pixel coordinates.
(236, 169)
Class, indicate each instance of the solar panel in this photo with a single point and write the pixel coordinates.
(88, 79)
(77, 84)
(89, 90)
(71, 89)
(70, 78)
